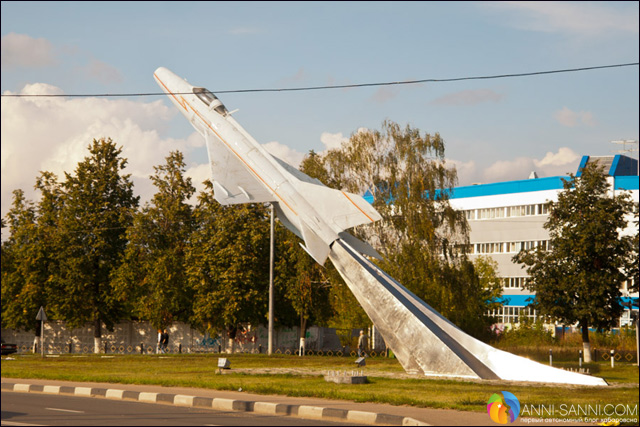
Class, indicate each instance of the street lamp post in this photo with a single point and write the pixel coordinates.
(271, 259)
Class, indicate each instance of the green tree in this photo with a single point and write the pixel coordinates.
(577, 278)
(345, 311)
(20, 294)
(153, 276)
(28, 258)
(305, 282)
(408, 174)
(228, 263)
(97, 206)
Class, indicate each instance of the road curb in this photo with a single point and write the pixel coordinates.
(302, 411)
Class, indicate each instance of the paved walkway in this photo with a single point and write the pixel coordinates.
(311, 408)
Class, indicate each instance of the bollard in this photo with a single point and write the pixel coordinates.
(141, 348)
(105, 347)
(260, 348)
(550, 357)
(612, 358)
(70, 347)
(580, 358)
(180, 348)
(219, 348)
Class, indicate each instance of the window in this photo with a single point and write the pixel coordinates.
(210, 100)
(514, 282)
(509, 314)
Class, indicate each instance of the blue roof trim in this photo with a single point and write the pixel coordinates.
(583, 163)
(368, 196)
(525, 300)
(517, 300)
(626, 183)
(624, 166)
(509, 187)
(614, 165)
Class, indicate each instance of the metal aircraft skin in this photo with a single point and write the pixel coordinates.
(244, 172)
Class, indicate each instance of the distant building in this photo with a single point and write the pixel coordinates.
(506, 217)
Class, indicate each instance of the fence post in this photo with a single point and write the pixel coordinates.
(612, 354)
(180, 348)
(580, 358)
(550, 357)
(141, 348)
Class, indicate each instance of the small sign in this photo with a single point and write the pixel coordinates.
(41, 315)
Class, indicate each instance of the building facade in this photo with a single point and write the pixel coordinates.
(506, 217)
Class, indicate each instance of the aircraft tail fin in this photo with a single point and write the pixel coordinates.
(342, 210)
(314, 245)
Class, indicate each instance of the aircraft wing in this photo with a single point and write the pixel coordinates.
(232, 181)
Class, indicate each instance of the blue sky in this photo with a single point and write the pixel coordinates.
(495, 130)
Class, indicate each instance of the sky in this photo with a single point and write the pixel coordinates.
(494, 129)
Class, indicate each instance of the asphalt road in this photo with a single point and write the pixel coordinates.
(22, 409)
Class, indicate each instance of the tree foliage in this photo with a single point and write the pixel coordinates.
(305, 283)
(152, 278)
(577, 280)
(228, 263)
(408, 174)
(22, 292)
(97, 202)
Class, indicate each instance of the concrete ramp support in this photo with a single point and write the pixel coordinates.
(425, 342)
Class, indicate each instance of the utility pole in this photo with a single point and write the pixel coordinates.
(271, 260)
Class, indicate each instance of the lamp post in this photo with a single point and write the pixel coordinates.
(271, 257)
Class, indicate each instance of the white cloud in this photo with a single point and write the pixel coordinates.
(563, 157)
(469, 97)
(467, 171)
(509, 170)
(19, 50)
(283, 152)
(333, 140)
(102, 72)
(579, 18)
(569, 118)
(552, 164)
(52, 134)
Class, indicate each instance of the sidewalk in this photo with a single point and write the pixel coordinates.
(310, 408)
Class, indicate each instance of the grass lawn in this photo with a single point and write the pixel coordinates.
(303, 376)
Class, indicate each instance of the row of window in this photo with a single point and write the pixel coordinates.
(514, 282)
(513, 314)
(507, 247)
(507, 211)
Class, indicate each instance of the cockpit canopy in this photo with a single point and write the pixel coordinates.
(211, 100)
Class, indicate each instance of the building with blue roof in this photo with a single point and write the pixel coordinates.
(506, 217)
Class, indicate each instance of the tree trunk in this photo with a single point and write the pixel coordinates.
(303, 330)
(36, 339)
(97, 335)
(233, 330)
(586, 345)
